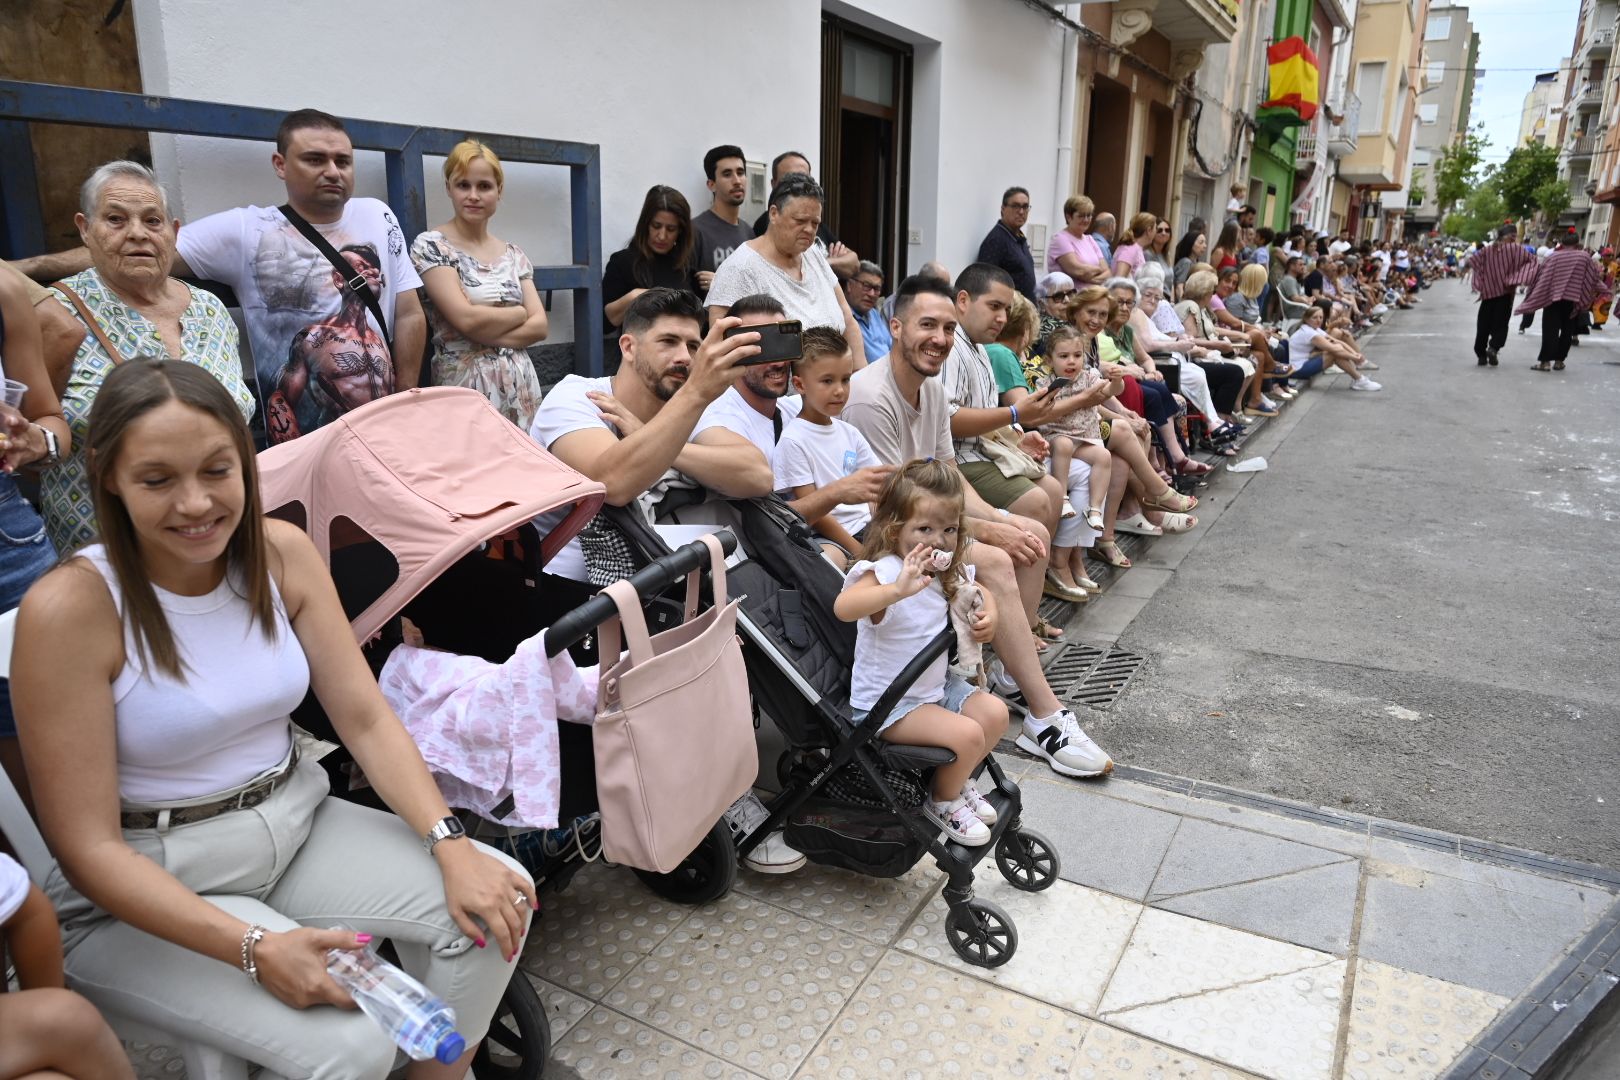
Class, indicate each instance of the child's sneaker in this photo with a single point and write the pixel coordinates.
(959, 821)
(981, 806)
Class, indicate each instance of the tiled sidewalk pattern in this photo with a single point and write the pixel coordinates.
(1188, 939)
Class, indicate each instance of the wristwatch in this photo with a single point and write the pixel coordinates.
(449, 828)
(53, 454)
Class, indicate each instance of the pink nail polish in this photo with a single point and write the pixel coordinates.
(363, 939)
(479, 942)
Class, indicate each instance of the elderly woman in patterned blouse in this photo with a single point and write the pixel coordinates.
(131, 307)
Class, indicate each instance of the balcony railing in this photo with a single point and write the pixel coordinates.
(1580, 146)
(1580, 204)
(1599, 43)
(1342, 136)
(1305, 152)
(1589, 96)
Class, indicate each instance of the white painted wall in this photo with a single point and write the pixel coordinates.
(654, 84)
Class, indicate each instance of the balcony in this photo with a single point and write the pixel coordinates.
(1190, 25)
(1580, 204)
(1342, 136)
(1305, 152)
(1580, 146)
(1599, 43)
(1589, 98)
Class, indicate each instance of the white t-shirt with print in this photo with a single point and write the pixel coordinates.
(821, 454)
(566, 409)
(14, 885)
(731, 412)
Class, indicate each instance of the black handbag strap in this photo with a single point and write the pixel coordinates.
(354, 280)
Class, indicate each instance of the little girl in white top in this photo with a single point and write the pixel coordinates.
(899, 596)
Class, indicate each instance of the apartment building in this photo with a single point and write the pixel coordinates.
(1386, 50)
(1451, 54)
(1589, 104)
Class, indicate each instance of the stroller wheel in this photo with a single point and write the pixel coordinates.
(707, 874)
(519, 1040)
(981, 933)
(1027, 860)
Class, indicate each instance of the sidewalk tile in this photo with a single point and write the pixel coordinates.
(1590, 897)
(1206, 856)
(1284, 1027)
(1110, 1054)
(747, 982)
(1173, 956)
(1141, 581)
(1102, 842)
(607, 1046)
(596, 930)
(1409, 1025)
(1069, 939)
(1435, 925)
(564, 1009)
(913, 1020)
(876, 909)
(1313, 907)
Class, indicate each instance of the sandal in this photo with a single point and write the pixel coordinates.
(1057, 588)
(1189, 467)
(1094, 518)
(1045, 630)
(1178, 523)
(1139, 524)
(1108, 551)
(1540, 367)
(1558, 365)
(1171, 500)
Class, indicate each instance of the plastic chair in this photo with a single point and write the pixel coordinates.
(202, 1062)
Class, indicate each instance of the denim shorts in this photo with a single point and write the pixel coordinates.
(957, 691)
(25, 554)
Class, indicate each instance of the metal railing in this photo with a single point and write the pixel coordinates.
(1599, 42)
(1305, 149)
(1589, 96)
(402, 145)
(1580, 203)
(1344, 133)
(1580, 146)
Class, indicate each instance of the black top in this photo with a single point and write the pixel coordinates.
(625, 273)
(1011, 253)
(1313, 281)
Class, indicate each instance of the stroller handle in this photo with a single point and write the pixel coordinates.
(653, 578)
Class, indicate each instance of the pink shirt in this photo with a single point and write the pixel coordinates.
(1083, 248)
(1131, 255)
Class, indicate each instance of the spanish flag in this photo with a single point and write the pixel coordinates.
(1294, 79)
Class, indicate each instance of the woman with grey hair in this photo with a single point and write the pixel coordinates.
(131, 307)
(788, 264)
(1159, 330)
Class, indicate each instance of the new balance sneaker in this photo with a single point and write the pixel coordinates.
(773, 855)
(1064, 744)
(1001, 683)
(959, 821)
(1364, 383)
(981, 806)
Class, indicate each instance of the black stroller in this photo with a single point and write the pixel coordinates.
(848, 799)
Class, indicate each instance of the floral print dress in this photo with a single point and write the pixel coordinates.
(505, 376)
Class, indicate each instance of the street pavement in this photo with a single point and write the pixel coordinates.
(1411, 613)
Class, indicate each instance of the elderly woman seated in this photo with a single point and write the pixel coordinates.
(1120, 344)
(1224, 306)
(1054, 291)
(1198, 319)
(1205, 380)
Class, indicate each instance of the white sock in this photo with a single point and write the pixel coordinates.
(1038, 724)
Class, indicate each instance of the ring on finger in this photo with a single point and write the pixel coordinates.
(519, 900)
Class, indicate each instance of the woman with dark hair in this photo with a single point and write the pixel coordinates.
(1226, 247)
(658, 255)
(153, 678)
(1190, 251)
(1156, 248)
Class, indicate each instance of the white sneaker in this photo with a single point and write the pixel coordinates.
(773, 855)
(959, 821)
(1064, 744)
(1365, 383)
(1267, 402)
(1000, 681)
(981, 806)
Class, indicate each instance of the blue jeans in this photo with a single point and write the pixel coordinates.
(1312, 366)
(25, 554)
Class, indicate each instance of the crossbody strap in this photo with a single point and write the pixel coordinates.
(354, 280)
(89, 320)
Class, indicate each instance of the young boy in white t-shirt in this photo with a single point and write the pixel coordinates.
(817, 450)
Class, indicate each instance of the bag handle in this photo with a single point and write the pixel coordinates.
(89, 320)
(355, 281)
(634, 623)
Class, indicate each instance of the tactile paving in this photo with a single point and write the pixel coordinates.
(608, 1046)
(563, 1008)
(1410, 1025)
(1110, 1054)
(597, 929)
(1093, 927)
(873, 908)
(748, 982)
(918, 1021)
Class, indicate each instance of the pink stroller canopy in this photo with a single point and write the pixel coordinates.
(429, 475)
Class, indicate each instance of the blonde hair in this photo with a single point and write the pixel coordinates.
(467, 151)
(1252, 280)
(911, 483)
(1087, 296)
(1022, 325)
(1143, 223)
(1199, 287)
(1077, 204)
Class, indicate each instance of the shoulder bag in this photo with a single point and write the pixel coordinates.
(355, 281)
(88, 318)
(1001, 448)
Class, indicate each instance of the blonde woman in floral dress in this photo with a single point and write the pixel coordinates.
(482, 305)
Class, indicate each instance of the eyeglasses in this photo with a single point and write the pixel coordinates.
(867, 286)
(1016, 205)
(1060, 296)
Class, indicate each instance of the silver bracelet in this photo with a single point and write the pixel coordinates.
(254, 935)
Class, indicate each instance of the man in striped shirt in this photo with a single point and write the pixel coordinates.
(1565, 285)
(1497, 270)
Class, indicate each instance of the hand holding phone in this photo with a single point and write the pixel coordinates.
(778, 341)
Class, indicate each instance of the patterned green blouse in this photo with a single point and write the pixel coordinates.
(207, 337)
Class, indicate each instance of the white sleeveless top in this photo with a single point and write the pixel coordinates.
(228, 719)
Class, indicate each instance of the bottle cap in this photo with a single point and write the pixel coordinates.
(451, 1047)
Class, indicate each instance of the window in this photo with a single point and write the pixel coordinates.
(1438, 29)
(1370, 89)
(1429, 114)
(1437, 72)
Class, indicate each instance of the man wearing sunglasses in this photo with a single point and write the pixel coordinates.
(1006, 245)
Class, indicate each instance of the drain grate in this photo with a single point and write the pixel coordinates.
(1071, 664)
(1090, 675)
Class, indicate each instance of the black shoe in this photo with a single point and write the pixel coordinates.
(1483, 361)
(1490, 354)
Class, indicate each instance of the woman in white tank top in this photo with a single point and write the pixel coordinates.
(153, 680)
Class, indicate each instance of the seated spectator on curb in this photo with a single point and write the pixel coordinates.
(718, 231)
(820, 455)
(1310, 349)
(1103, 229)
(903, 412)
(1291, 288)
(863, 291)
(659, 255)
(785, 262)
(1073, 249)
(482, 307)
(1190, 250)
(757, 406)
(1203, 380)
(1120, 344)
(839, 256)
(1130, 255)
(1199, 322)
(154, 679)
(1011, 349)
(1006, 246)
(1234, 329)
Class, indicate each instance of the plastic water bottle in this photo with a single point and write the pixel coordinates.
(419, 1023)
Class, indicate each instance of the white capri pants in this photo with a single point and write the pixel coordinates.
(300, 858)
(1074, 532)
(1195, 388)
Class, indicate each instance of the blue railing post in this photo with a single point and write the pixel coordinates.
(19, 189)
(585, 199)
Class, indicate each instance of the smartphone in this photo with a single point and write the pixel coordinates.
(777, 341)
(1057, 384)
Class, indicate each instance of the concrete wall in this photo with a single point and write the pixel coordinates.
(654, 84)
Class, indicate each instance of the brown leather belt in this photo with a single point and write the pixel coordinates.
(190, 815)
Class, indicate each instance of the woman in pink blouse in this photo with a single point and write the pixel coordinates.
(1129, 256)
(1073, 250)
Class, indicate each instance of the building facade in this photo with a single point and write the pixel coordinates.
(1544, 107)
(1451, 53)
(1583, 127)
(1386, 48)
(1320, 199)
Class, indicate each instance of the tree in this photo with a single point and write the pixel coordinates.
(1552, 198)
(1524, 174)
(1481, 211)
(1456, 173)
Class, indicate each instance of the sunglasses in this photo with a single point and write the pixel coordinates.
(1060, 296)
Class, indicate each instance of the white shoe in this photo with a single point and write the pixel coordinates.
(1065, 745)
(1365, 383)
(1139, 524)
(1087, 584)
(959, 821)
(1267, 402)
(773, 855)
(1068, 510)
(981, 806)
(1000, 682)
